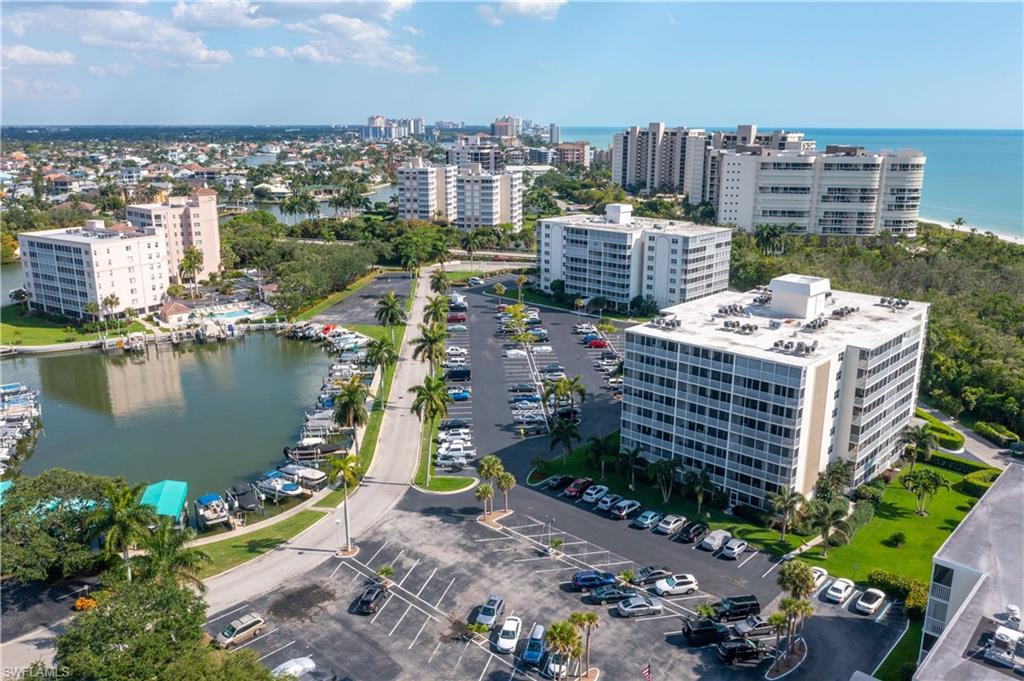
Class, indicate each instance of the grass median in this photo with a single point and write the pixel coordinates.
(236, 550)
(903, 656)
(438, 483)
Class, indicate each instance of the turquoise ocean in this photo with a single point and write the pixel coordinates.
(974, 174)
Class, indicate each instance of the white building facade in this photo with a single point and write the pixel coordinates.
(427, 192)
(619, 257)
(186, 222)
(764, 389)
(487, 199)
(475, 149)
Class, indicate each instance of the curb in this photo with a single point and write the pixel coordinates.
(807, 649)
(476, 481)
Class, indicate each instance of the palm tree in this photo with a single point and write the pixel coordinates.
(484, 493)
(490, 468)
(191, 263)
(705, 610)
(431, 401)
(439, 282)
(923, 484)
(336, 202)
(699, 483)
(500, 290)
(563, 432)
(381, 353)
(959, 223)
(664, 471)
(347, 468)
(769, 238)
(110, 304)
(470, 243)
(520, 282)
(919, 441)
(122, 519)
(778, 623)
(92, 308)
(563, 639)
(629, 455)
(429, 345)
(585, 622)
(599, 449)
(829, 520)
(573, 388)
(436, 311)
(170, 556)
(506, 481)
(350, 406)
(795, 610)
(786, 503)
(796, 578)
(389, 313)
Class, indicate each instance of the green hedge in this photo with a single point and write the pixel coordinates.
(996, 433)
(978, 482)
(955, 463)
(913, 592)
(945, 436)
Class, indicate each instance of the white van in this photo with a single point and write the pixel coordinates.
(715, 540)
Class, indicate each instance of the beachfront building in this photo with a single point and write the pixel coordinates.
(573, 154)
(426, 192)
(487, 198)
(971, 631)
(475, 149)
(619, 257)
(554, 134)
(185, 221)
(764, 389)
(66, 269)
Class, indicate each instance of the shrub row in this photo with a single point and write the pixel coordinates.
(978, 482)
(955, 463)
(913, 592)
(863, 512)
(752, 514)
(996, 432)
(945, 437)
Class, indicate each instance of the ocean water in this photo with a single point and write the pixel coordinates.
(974, 174)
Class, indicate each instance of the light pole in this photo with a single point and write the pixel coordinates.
(348, 538)
(337, 524)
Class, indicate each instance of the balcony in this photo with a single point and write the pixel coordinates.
(940, 592)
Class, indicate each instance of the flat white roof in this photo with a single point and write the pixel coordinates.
(86, 236)
(681, 227)
(702, 324)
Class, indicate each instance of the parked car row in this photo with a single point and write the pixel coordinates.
(535, 652)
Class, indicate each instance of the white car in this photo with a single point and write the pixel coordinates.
(670, 524)
(455, 434)
(542, 349)
(870, 601)
(595, 493)
(839, 591)
(715, 540)
(456, 351)
(459, 449)
(515, 353)
(734, 548)
(475, 281)
(584, 328)
(608, 501)
(820, 575)
(447, 445)
(294, 668)
(508, 637)
(676, 585)
(555, 667)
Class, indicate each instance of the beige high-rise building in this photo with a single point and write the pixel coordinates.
(186, 221)
(426, 192)
(573, 154)
(475, 149)
(486, 199)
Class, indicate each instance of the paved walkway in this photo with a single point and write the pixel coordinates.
(974, 444)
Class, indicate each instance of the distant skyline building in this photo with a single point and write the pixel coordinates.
(554, 134)
(426, 192)
(487, 199)
(383, 129)
(573, 154)
(475, 149)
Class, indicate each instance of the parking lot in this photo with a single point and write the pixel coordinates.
(359, 307)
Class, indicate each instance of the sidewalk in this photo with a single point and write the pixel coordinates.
(974, 444)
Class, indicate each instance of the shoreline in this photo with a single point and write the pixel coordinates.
(966, 229)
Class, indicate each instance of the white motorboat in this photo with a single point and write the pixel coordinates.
(275, 485)
(304, 476)
(211, 510)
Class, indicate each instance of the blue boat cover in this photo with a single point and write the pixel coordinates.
(208, 499)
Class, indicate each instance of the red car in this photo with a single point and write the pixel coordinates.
(456, 318)
(578, 487)
(597, 343)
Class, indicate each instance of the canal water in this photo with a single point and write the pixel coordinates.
(326, 211)
(211, 415)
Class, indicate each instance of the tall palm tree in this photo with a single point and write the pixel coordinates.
(600, 449)
(797, 578)
(500, 290)
(431, 402)
(520, 283)
(381, 353)
(562, 434)
(169, 554)
(506, 481)
(664, 471)
(786, 503)
(350, 406)
(778, 623)
(699, 483)
(470, 243)
(336, 202)
(490, 468)
(796, 610)
(919, 441)
(769, 238)
(484, 493)
(123, 520)
(436, 310)
(389, 313)
(347, 468)
(629, 455)
(439, 283)
(429, 345)
(830, 521)
(110, 304)
(574, 388)
(923, 484)
(191, 263)
(585, 622)
(563, 639)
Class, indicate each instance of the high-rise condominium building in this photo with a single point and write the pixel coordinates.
(573, 154)
(426, 192)
(503, 128)
(186, 222)
(66, 269)
(486, 199)
(764, 389)
(843, 190)
(554, 134)
(619, 257)
(475, 149)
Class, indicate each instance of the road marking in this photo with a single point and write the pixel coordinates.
(378, 550)
(614, 562)
(253, 640)
(652, 617)
(220, 617)
(386, 601)
(543, 534)
(849, 598)
(464, 649)
(519, 527)
(685, 598)
(276, 651)
(426, 582)
(510, 548)
(71, 593)
(395, 560)
(422, 627)
(409, 572)
(884, 610)
(400, 620)
(445, 593)
(435, 651)
(774, 565)
(748, 559)
(486, 665)
(336, 570)
(494, 539)
(530, 560)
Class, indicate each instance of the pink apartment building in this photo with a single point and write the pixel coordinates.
(185, 221)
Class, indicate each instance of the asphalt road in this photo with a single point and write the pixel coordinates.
(359, 307)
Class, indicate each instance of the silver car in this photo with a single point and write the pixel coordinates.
(491, 610)
(638, 606)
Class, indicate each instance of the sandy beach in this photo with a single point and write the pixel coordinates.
(1019, 240)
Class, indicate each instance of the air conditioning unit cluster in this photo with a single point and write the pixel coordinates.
(845, 311)
(730, 309)
(797, 347)
(763, 299)
(670, 322)
(898, 303)
(815, 324)
(744, 329)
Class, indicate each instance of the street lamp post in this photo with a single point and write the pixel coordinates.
(348, 538)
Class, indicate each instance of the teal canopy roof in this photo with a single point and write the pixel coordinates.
(3, 488)
(167, 497)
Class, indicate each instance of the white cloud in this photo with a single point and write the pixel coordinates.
(115, 69)
(412, 30)
(220, 14)
(393, 7)
(18, 23)
(297, 10)
(335, 39)
(495, 15)
(30, 56)
(21, 88)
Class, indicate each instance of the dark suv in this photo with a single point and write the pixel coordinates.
(584, 580)
(736, 608)
(740, 650)
(691, 532)
(704, 631)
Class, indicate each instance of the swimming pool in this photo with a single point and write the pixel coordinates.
(234, 314)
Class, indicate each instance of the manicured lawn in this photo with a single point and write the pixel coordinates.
(335, 297)
(650, 496)
(18, 329)
(896, 513)
(449, 483)
(236, 550)
(905, 652)
(374, 331)
(459, 277)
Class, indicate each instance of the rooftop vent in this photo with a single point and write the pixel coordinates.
(845, 311)
(730, 310)
(815, 324)
(896, 303)
(763, 299)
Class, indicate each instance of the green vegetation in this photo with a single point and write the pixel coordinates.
(335, 298)
(899, 665)
(236, 550)
(974, 358)
(995, 432)
(945, 436)
(18, 328)
(449, 483)
(978, 482)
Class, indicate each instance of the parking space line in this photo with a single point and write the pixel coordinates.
(530, 560)
(445, 593)
(386, 601)
(543, 534)
(378, 550)
(510, 548)
(464, 649)
(685, 598)
(395, 560)
(486, 665)
(229, 612)
(276, 651)
(409, 572)
(614, 562)
(884, 610)
(774, 565)
(400, 620)
(335, 571)
(422, 627)
(434, 653)
(494, 539)
(558, 569)
(854, 595)
(426, 582)
(653, 617)
(748, 559)
(519, 527)
(251, 641)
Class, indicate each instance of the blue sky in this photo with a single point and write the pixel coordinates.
(940, 65)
